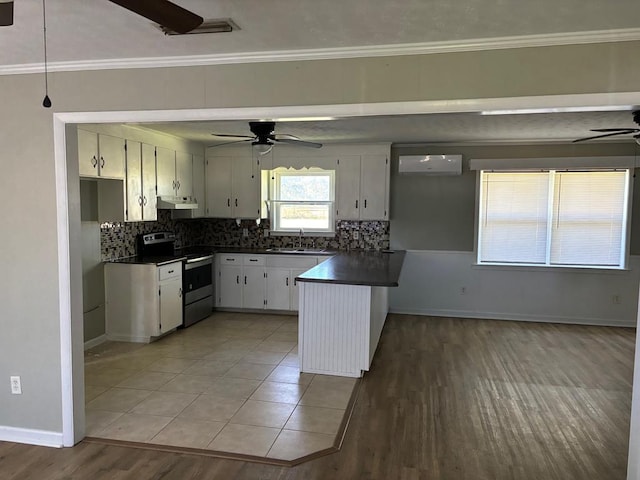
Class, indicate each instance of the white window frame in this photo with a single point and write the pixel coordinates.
(275, 202)
(619, 164)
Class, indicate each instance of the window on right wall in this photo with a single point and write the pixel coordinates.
(554, 218)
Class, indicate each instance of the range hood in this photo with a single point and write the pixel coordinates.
(176, 203)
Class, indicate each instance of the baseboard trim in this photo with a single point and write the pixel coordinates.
(128, 338)
(43, 438)
(517, 317)
(94, 342)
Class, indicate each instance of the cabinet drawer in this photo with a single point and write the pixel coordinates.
(253, 260)
(170, 270)
(291, 261)
(230, 259)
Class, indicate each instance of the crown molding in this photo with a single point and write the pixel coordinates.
(454, 46)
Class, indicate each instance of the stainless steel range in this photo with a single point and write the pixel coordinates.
(197, 273)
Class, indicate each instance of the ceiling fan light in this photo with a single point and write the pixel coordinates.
(262, 148)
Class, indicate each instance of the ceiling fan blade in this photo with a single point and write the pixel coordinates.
(232, 136)
(6, 14)
(229, 143)
(164, 13)
(300, 143)
(603, 136)
(627, 130)
(282, 136)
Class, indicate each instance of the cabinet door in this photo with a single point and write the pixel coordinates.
(134, 181)
(278, 287)
(166, 171)
(87, 153)
(253, 291)
(348, 187)
(170, 304)
(295, 295)
(230, 283)
(374, 181)
(245, 186)
(198, 185)
(218, 187)
(184, 174)
(149, 200)
(112, 156)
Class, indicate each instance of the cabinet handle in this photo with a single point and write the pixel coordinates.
(238, 279)
(140, 201)
(356, 203)
(253, 259)
(287, 281)
(101, 161)
(295, 282)
(230, 259)
(94, 161)
(228, 202)
(178, 183)
(245, 279)
(144, 200)
(170, 271)
(180, 292)
(236, 202)
(173, 184)
(365, 203)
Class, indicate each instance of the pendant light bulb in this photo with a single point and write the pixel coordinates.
(46, 103)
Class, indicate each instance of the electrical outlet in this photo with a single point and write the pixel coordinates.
(16, 386)
(356, 234)
(265, 233)
(245, 232)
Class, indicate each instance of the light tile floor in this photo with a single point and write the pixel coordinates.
(229, 383)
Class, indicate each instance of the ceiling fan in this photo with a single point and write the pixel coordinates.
(264, 137)
(610, 132)
(164, 13)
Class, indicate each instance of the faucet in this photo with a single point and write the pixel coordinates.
(300, 238)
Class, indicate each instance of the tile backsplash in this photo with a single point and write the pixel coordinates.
(118, 239)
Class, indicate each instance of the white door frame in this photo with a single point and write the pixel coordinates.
(71, 412)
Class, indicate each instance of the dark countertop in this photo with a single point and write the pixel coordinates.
(370, 268)
(150, 260)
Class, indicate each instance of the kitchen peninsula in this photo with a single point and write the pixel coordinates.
(343, 307)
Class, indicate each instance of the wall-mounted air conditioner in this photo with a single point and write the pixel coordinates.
(431, 164)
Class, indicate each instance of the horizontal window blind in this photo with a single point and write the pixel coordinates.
(553, 218)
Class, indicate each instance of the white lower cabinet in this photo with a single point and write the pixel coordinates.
(142, 301)
(247, 281)
(240, 281)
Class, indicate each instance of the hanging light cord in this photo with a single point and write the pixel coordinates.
(47, 101)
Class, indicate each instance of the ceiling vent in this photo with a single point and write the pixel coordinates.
(214, 25)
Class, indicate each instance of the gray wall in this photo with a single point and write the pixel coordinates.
(438, 212)
(30, 341)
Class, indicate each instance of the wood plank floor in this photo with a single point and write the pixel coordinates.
(447, 399)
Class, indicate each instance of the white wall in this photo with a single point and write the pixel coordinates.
(33, 295)
(431, 283)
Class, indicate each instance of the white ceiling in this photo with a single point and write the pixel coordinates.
(92, 31)
(434, 128)
(81, 30)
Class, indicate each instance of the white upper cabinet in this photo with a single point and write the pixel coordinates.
(374, 187)
(199, 186)
(218, 187)
(174, 172)
(100, 155)
(362, 187)
(184, 174)
(348, 187)
(141, 182)
(166, 171)
(233, 187)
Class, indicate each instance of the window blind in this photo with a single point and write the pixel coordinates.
(553, 218)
